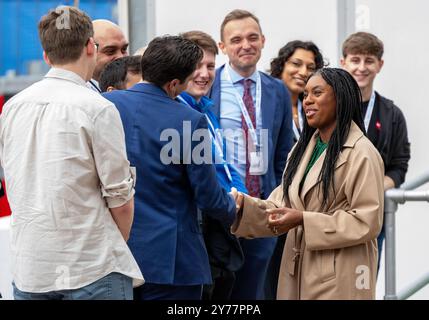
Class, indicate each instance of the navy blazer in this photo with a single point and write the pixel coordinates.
(276, 113)
(166, 238)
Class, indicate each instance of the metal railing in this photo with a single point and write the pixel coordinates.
(393, 197)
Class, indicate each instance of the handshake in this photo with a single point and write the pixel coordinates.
(279, 220)
(238, 198)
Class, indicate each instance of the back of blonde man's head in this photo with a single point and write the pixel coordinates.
(63, 33)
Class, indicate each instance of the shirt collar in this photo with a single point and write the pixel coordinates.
(63, 74)
(202, 106)
(95, 82)
(236, 77)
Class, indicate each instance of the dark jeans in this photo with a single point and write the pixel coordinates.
(274, 269)
(153, 291)
(380, 241)
(114, 286)
(223, 283)
(250, 279)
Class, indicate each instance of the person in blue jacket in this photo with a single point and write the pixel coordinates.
(171, 189)
(224, 249)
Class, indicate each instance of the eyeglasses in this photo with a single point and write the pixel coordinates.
(95, 43)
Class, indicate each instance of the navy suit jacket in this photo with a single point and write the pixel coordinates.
(166, 238)
(276, 113)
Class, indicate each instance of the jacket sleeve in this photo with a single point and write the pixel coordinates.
(251, 221)
(237, 182)
(210, 197)
(400, 150)
(363, 220)
(285, 139)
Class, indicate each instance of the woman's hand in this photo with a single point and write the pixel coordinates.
(281, 220)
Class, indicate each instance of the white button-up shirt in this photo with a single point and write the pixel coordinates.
(230, 117)
(62, 148)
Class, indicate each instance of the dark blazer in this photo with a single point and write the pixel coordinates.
(166, 238)
(388, 132)
(276, 113)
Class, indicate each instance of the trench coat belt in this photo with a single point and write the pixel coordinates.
(297, 245)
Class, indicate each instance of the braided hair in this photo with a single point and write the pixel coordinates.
(348, 99)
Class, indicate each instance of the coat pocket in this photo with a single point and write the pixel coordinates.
(327, 265)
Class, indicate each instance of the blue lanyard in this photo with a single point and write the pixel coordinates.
(300, 121)
(369, 110)
(216, 139)
(243, 108)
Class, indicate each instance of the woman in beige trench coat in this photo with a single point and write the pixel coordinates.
(330, 202)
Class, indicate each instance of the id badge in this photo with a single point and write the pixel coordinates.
(256, 163)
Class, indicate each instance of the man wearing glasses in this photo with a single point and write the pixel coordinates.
(111, 44)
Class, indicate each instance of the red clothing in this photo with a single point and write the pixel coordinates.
(4, 204)
(1, 103)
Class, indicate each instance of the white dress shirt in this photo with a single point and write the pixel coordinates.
(230, 117)
(63, 152)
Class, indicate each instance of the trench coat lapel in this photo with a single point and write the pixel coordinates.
(294, 197)
(312, 178)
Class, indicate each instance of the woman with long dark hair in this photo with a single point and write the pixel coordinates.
(296, 61)
(330, 201)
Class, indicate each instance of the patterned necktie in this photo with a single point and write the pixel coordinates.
(252, 182)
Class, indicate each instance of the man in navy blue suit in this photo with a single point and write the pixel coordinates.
(173, 185)
(257, 107)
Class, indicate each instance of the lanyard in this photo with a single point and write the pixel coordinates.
(369, 110)
(243, 108)
(94, 86)
(300, 121)
(216, 139)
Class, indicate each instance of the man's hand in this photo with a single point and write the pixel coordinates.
(238, 198)
(281, 220)
(123, 217)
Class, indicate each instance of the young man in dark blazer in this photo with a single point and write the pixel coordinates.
(172, 185)
(384, 122)
(246, 102)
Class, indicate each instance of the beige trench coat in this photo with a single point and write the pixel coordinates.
(333, 255)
